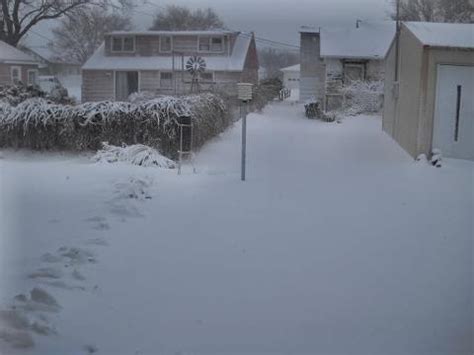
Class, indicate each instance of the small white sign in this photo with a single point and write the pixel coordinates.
(244, 91)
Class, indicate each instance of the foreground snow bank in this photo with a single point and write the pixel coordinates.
(337, 243)
(136, 154)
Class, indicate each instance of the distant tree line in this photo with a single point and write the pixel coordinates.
(461, 11)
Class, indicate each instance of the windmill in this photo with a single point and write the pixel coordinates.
(195, 66)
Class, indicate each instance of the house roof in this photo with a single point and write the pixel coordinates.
(292, 68)
(12, 55)
(171, 33)
(455, 35)
(46, 55)
(236, 62)
(371, 40)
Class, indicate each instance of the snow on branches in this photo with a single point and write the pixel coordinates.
(40, 124)
(137, 154)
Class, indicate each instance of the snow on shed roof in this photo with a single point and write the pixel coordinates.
(236, 62)
(454, 35)
(10, 54)
(371, 40)
(292, 68)
(309, 29)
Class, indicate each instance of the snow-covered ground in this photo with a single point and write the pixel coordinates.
(338, 243)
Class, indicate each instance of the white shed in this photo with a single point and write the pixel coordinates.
(429, 105)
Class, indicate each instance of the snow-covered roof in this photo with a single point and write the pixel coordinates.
(454, 35)
(371, 40)
(292, 68)
(170, 33)
(309, 29)
(47, 55)
(12, 55)
(236, 62)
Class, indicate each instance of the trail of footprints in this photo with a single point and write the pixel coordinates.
(33, 312)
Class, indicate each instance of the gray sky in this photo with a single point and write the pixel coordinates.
(280, 19)
(273, 19)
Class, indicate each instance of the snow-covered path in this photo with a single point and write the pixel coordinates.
(338, 243)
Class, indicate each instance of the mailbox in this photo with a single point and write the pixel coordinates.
(244, 91)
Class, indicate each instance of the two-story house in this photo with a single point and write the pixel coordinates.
(155, 61)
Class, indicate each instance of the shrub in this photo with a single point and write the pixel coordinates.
(137, 154)
(41, 124)
(16, 94)
(267, 90)
(363, 97)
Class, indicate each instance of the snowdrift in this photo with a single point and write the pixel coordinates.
(137, 154)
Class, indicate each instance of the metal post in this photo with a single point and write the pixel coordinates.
(243, 114)
(180, 154)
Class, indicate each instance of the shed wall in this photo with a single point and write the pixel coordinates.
(435, 57)
(406, 115)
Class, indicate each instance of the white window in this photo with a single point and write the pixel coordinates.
(32, 76)
(123, 44)
(354, 72)
(15, 74)
(211, 44)
(166, 44)
(204, 44)
(166, 80)
(217, 44)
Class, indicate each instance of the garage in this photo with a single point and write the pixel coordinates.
(454, 114)
(429, 88)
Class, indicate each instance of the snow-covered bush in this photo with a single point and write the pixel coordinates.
(363, 97)
(137, 154)
(41, 124)
(266, 91)
(16, 94)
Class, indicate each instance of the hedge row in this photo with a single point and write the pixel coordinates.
(42, 125)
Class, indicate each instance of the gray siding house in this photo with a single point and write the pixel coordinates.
(16, 66)
(429, 102)
(155, 61)
(333, 57)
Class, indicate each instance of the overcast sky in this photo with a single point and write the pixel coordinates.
(274, 19)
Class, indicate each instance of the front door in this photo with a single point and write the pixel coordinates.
(453, 131)
(126, 83)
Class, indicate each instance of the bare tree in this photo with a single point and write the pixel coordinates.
(436, 10)
(17, 17)
(272, 60)
(177, 18)
(79, 35)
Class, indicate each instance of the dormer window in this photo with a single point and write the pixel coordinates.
(204, 44)
(217, 44)
(166, 44)
(211, 44)
(123, 44)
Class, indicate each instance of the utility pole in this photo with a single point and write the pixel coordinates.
(397, 41)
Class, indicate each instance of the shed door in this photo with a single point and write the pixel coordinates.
(453, 131)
